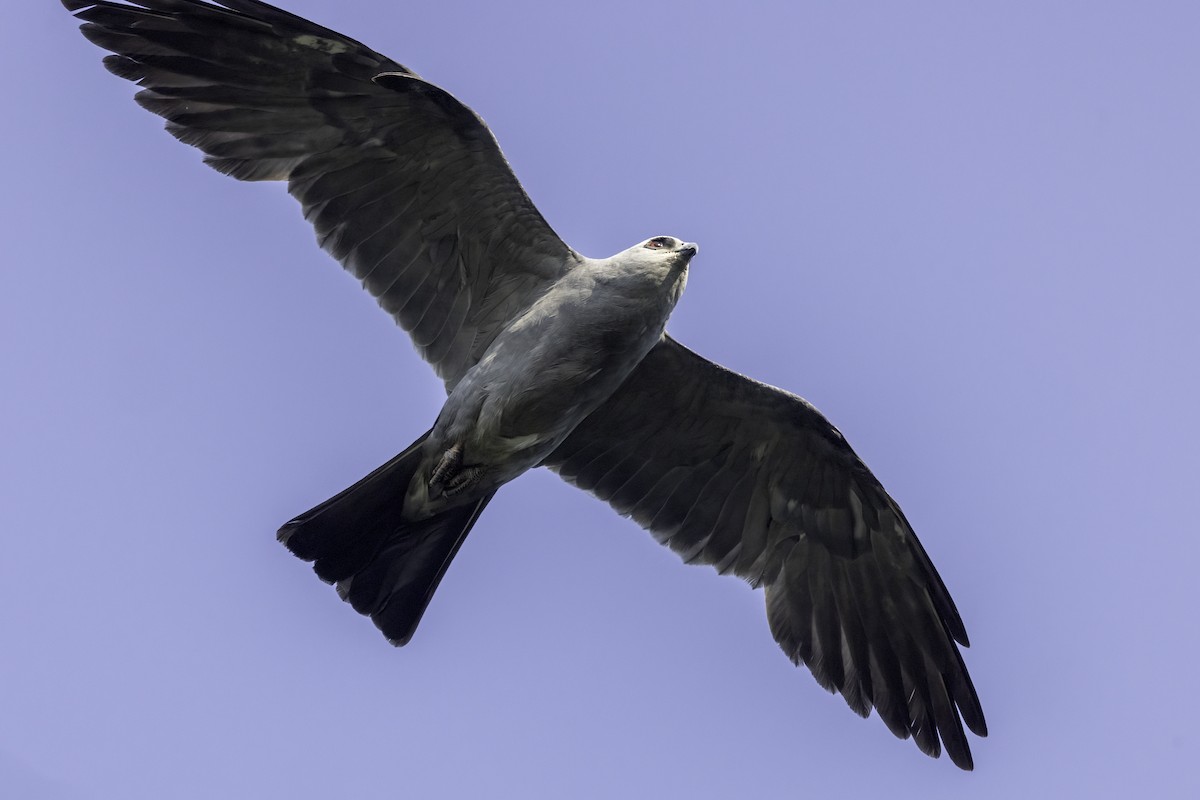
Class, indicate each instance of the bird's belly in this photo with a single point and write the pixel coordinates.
(535, 385)
(542, 376)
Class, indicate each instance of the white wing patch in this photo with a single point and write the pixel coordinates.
(320, 43)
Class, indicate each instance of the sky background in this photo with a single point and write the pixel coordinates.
(969, 233)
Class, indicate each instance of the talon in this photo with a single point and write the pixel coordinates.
(448, 467)
(463, 481)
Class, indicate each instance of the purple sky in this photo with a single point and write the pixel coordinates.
(970, 236)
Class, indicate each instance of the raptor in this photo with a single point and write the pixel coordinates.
(549, 359)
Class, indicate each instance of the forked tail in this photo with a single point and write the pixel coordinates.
(384, 565)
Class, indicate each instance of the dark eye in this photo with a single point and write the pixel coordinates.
(658, 243)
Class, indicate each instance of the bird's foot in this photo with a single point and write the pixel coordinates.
(450, 477)
(462, 481)
(448, 468)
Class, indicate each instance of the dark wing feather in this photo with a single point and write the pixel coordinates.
(753, 480)
(405, 186)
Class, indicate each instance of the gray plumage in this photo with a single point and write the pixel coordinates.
(549, 359)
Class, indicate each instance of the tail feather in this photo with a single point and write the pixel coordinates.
(397, 585)
(385, 566)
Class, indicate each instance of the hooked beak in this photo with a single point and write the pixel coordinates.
(689, 249)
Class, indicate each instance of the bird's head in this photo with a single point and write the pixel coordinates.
(661, 254)
(662, 261)
(667, 247)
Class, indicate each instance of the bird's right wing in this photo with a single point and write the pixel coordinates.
(753, 480)
(405, 186)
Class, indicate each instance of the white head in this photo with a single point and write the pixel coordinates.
(660, 255)
(661, 262)
(667, 246)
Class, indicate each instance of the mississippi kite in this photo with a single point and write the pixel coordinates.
(549, 358)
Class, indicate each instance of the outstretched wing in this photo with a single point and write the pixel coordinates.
(405, 186)
(753, 480)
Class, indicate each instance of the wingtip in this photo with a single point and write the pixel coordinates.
(978, 725)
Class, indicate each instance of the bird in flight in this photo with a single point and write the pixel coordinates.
(549, 359)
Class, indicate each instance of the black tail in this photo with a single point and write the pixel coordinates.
(385, 566)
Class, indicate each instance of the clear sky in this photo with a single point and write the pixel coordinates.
(969, 233)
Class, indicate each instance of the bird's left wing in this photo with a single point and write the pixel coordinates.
(405, 186)
(753, 480)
